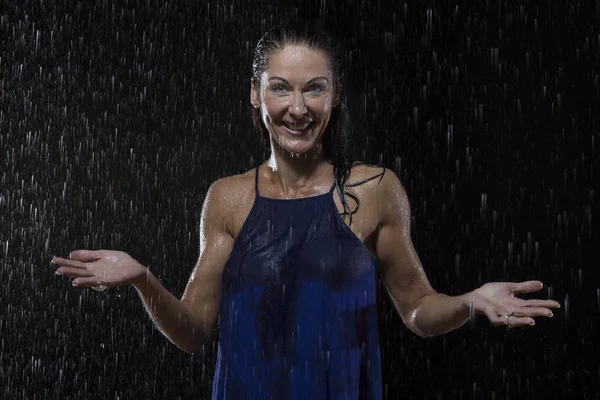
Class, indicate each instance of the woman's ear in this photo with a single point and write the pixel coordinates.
(253, 94)
(337, 100)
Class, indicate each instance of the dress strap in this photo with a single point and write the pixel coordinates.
(332, 186)
(256, 183)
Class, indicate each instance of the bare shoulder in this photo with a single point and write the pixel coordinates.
(381, 189)
(376, 178)
(369, 178)
(229, 189)
(232, 190)
(233, 196)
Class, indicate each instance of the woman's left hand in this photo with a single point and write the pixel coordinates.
(498, 302)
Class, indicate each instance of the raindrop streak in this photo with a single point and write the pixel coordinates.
(116, 117)
(566, 311)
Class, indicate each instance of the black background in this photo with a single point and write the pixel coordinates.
(117, 115)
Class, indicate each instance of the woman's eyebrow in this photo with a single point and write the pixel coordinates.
(310, 81)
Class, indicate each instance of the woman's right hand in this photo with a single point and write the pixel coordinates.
(103, 268)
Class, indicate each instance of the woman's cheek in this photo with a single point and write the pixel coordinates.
(328, 104)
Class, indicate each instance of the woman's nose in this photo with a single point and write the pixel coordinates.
(297, 106)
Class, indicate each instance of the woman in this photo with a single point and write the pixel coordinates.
(287, 259)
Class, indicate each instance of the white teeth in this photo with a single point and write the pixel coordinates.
(297, 127)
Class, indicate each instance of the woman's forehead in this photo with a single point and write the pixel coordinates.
(298, 62)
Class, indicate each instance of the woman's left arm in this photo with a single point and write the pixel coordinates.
(423, 310)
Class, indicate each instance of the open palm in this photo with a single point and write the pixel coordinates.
(107, 268)
(498, 302)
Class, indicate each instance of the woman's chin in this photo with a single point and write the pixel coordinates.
(297, 147)
(301, 148)
(296, 151)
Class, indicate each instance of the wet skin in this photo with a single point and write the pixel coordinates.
(296, 96)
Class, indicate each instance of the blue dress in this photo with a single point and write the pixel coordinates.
(298, 316)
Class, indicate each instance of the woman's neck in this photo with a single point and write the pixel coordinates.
(293, 172)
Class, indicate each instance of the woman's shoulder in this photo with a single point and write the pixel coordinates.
(233, 187)
(230, 197)
(229, 194)
(362, 174)
(373, 178)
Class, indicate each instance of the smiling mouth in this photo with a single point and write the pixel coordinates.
(297, 129)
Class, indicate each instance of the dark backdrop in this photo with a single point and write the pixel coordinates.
(117, 115)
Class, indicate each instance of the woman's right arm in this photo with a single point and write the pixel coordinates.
(188, 323)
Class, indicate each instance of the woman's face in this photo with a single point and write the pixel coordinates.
(296, 95)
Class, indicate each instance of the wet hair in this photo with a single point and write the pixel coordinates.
(335, 137)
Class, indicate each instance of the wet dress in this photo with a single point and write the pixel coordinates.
(298, 317)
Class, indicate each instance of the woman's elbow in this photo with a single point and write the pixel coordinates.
(410, 320)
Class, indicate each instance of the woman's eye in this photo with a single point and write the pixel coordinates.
(278, 88)
(316, 89)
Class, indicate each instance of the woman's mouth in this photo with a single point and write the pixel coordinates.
(297, 129)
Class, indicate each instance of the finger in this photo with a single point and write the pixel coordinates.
(540, 303)
(87, 255)
(526, 287)
(91, 281)
(513, 321)
(73, 272)
(533, 312)
(63, 262)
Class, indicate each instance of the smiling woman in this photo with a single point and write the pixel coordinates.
(312, 58)
(287, 269)
(291, 86)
